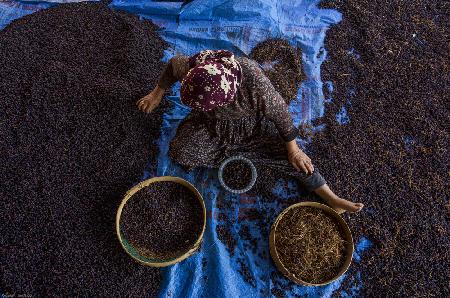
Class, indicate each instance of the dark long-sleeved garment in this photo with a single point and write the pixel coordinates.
(255, 96)
(254, 125)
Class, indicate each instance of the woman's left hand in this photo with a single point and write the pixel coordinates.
(299, 160)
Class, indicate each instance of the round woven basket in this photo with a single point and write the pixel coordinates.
(155, 262)
(345, 231)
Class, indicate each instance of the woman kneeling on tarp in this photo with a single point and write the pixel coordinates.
(236, 110)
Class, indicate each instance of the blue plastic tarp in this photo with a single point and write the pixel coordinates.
(215, 271)
(246, 270)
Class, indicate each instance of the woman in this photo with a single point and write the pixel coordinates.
(236, 110)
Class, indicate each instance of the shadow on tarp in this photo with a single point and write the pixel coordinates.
(245, 269)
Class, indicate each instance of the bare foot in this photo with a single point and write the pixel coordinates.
(341, 205)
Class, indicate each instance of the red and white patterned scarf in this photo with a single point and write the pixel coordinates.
(212, 80)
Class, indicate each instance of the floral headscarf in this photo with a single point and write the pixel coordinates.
(212, 81)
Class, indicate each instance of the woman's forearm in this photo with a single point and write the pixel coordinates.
(175, 70)
(159, 91)
(167, 77)
(292, 146)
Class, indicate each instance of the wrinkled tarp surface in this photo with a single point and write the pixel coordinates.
(235, 25)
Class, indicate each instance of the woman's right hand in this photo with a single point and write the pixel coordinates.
(298, 158)
(149, 102)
